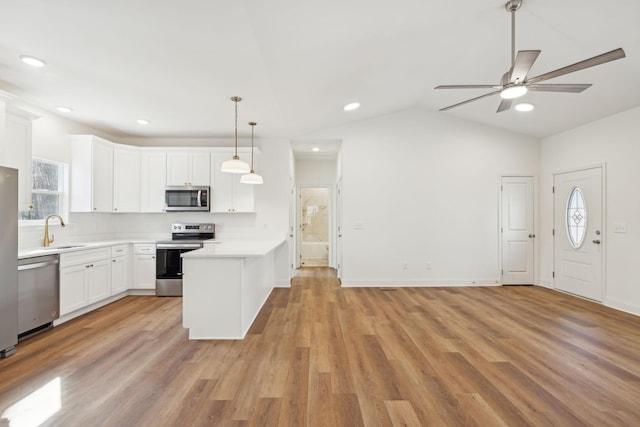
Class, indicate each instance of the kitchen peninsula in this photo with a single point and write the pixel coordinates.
(225, 284)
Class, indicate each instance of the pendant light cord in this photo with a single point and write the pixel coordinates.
(236, 101)
(252, 125)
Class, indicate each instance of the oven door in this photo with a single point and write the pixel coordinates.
(169, 267)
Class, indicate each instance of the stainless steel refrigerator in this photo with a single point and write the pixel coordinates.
(8, 261)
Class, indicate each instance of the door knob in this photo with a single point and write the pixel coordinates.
(531, 236)
(597, 241)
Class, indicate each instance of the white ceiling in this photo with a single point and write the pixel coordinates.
(296, 63)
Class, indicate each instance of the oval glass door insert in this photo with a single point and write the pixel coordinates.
(576, 217)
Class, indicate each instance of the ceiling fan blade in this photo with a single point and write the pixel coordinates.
(569, 88)
(469, 100)
(596, 60)
(524, 62)
(505, 104)
(466, 87)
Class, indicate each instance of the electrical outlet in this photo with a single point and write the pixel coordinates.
(405, 265)
(428, 265)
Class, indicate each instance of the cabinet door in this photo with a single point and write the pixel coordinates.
(102, 177)
(73, 294)
(200, 169)
(18, 155)
(178, 168)
(119, 282)
(229, 194)
(188, 168)
(144, 271)
(99, 280)
(126, 180)
(153, 181)
(243, 197)
(222, 191)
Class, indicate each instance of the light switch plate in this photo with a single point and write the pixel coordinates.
(620, 227)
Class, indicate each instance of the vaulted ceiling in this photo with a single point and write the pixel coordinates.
(296, 63)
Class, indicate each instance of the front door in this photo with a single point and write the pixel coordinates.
(578, 237)
(517, 230)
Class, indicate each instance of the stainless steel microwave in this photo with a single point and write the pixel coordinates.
(182, 198)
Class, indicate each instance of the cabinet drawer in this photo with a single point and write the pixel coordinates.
(119, 250)
(144, 248)
(81, 257)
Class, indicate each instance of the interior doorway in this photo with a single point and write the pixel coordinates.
(314, 226)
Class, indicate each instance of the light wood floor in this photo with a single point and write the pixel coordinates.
(320, 355)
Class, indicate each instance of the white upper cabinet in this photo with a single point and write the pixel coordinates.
(91, 174)
(18, 154)
(188, 168)
(153, 180)
(126, 179)
(228, 194)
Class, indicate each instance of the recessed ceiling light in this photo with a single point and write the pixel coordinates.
(143, 122)
(351, 106)
(63, 109)
(316, 149)
(33, 61)
(524, 107)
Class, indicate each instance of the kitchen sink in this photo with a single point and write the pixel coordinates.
(67, 247)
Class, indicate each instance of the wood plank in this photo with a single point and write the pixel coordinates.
(322, 355)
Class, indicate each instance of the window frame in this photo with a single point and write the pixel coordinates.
(62, 193)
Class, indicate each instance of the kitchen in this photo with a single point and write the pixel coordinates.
(137, 251)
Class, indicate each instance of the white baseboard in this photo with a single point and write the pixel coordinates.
(400, 283)
(622, 306)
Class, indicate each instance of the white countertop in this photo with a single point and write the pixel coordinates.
(234, 249)
(69, 247)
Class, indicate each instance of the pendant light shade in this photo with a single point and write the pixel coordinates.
(252, 177)
(235, 165)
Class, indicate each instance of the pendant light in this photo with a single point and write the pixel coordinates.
(252, 177)
(235, 165)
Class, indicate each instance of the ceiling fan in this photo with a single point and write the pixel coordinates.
(514, 83)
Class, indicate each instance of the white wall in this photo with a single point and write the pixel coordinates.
(311, 173)
(422, 187)
(615, 141)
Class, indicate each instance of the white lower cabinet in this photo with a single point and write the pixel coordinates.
(99, 280)
(144, 266)
(119, 269)
(73, 289)
(85, 278)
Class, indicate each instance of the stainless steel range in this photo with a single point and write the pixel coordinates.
(184, 238)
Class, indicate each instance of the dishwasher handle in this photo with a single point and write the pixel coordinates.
(37, 265)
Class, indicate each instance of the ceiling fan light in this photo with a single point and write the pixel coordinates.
(235, 165)
(251, 178)
(513, 92)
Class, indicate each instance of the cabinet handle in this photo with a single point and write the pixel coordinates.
(153, 257)
(115, 209)
(113, 260)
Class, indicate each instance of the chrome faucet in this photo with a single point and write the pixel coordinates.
(48, 240)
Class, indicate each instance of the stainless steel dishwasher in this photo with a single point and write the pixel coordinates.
(38, 293)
